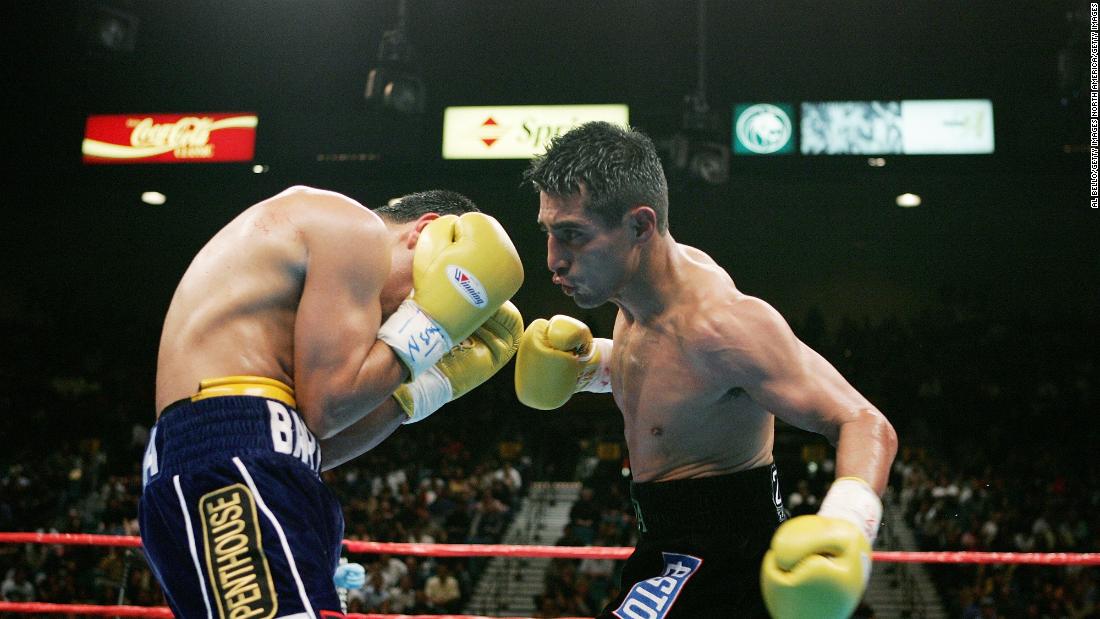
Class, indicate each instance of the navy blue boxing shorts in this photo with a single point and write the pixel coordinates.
(700, 546)
(235, 520)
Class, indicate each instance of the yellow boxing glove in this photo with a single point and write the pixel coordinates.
(818, 566)
(466, 366)
(557, 358)
(464, 268)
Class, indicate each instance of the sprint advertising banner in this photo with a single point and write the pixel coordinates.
(517, 131)
(908, 127)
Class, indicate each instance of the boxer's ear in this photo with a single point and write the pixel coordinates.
(641, 221)
(418, 226)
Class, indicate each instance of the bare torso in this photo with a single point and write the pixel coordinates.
(683, 420)
(245, 306)
(233, 312)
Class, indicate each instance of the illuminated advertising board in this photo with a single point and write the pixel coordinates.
(763, 129)
(952, 127)
(910, 127)
(516, 131)
(169, 138)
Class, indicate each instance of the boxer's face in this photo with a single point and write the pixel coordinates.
(399, 282)
(587, 259)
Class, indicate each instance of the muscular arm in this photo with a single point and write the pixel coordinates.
(341, 371)
(363, 435)
(763, 356)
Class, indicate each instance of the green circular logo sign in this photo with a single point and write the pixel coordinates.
(763, 128)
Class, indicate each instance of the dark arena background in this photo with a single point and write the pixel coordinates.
(971, 319)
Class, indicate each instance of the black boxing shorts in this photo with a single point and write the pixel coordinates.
(700, 547)
(235, 520)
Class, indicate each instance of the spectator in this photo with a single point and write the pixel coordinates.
(584, 514)
(403, 595)
(510, 478)
(392, 569)
(374, 592)
(442, 590)
(802, 501)
(16, 587)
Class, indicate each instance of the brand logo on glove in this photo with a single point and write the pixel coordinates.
(468, 286)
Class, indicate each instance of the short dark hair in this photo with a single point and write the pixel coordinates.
(619, 167)
(413, 206)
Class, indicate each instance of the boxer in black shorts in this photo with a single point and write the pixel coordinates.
(700, 371)
(700, 545)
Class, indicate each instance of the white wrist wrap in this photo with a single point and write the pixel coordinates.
(852, 499)
(597, 379)
(415, 338)
(430, 391)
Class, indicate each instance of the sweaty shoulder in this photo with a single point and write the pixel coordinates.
(321, 215)
(738, 333)
(698, 256)
(708, 303)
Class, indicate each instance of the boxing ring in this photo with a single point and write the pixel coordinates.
(478, 550)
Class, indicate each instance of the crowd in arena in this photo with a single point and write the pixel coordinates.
(987, 510)
(989, 411)
(447, 495)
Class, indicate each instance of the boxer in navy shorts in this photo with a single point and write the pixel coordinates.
(303, 334)
(233, 479)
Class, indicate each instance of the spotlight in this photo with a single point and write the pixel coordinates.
(111, 30)
(397, 90)
(696, 151)
(155, 198)
(710, 162)
(697, 158)
(908, 200)
(392, 83)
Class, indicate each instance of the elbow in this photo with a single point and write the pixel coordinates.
(870, 427)
(326, 413)
(326, 427)
(331, 456)
(319, 424)
(885, 434)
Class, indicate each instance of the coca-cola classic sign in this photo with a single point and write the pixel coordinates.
(169, 138)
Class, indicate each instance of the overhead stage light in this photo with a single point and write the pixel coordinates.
(109, 29)
(908, 200)
(393, 83)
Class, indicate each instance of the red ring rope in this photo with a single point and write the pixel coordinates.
(474, 550)
(575, 552)
(85, 609)
(165, 612)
